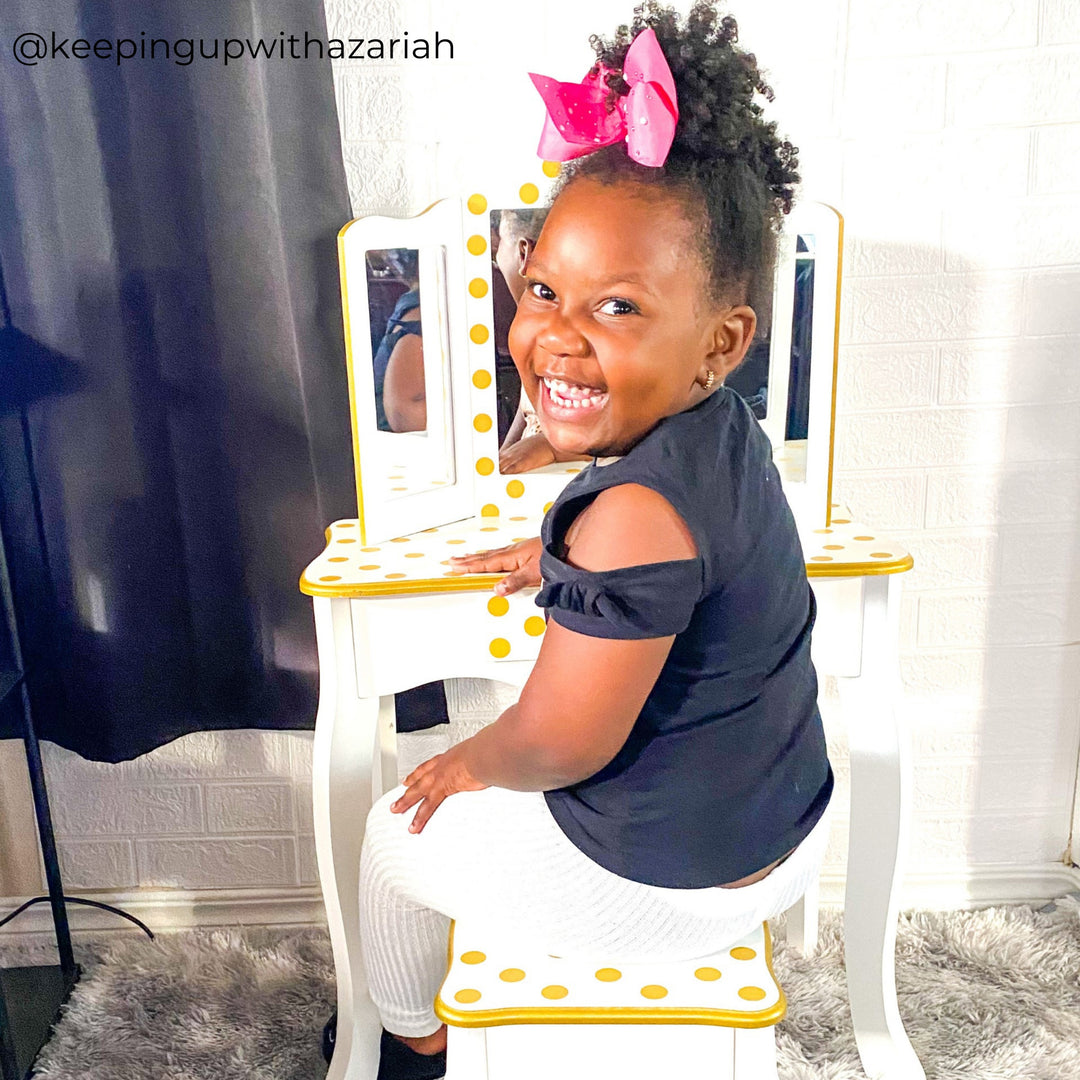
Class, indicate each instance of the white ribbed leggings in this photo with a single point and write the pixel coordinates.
(499, 856)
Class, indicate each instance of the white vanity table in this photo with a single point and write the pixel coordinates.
(389, 616)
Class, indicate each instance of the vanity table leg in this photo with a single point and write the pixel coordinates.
(878, 833)
(346, 764)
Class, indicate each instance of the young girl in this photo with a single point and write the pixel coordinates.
(661, 786)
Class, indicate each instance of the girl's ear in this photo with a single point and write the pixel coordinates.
(732, 333)
(524, 246)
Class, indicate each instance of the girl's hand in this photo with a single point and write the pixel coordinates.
(430, 783)
(522, 560)
(528, 453)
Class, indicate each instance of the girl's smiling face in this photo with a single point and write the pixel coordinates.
(615, 330)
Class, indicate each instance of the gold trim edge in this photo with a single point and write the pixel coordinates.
(621, 1015)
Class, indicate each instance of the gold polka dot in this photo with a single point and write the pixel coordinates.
(477, 204)
(473, 957)
(435, 530)
(512, 975)
(535, 626)
(515, 489)
(519, 517)
(519, 539)
(485, 466)
(499, 648)
(338, 558)
(467, 997)
(609, 974)
(823, 530)
(554, 993)
(347, 540)
(832, 547)
(821, 558)
(455, 541)
(444, 562)
(862, 538)
(395, 575)
(841, 521)
(330, 577)
(399, 489)
(482, 422)
(400, 540)
(478, 287)
(478, 334)
(490, 528)
(707, 974)
(548, 506)
(489, 510)
(436, 483)
(834, 506)
(481, 379)
(347, 525)
(741, 952)
(529, 193)
(653, 992)
(476, 245)
(370, 566)
(572, 471)
(371, 549)
(551, 168)
(498, 605)
(414, 555)
(751, 993)
(398, 477)
(881, 555)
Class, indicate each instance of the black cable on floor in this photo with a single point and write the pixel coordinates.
(78, 900)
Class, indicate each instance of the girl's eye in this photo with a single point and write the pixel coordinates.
(617, 306)
(540, 290)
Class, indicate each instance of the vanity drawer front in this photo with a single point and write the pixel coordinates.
(401, 641)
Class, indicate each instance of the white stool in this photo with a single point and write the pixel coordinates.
(514, 1013)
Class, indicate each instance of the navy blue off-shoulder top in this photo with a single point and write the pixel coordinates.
(725, 768)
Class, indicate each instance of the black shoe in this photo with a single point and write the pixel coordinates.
(400, 1062)
(329, 1037)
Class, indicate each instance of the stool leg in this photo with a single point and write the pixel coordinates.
(466, 1054)
(802, 921)
(755, 1054)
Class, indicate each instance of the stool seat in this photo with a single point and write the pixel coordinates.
(493, 982)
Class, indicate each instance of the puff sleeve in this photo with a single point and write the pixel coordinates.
(648, 601)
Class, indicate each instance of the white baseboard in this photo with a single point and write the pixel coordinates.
(174, 909)
(972, 887)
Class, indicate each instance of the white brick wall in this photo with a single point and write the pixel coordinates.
(949, 134)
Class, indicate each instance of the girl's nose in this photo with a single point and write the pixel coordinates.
(560, 337)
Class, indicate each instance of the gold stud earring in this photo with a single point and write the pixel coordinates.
(709, 379)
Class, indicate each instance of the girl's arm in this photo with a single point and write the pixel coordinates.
(584, 693)
(404, 396)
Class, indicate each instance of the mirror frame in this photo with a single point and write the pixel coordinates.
(383, 517)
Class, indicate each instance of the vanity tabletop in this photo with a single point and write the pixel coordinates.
(419, 563)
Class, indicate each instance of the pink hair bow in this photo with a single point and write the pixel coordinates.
(578, 123)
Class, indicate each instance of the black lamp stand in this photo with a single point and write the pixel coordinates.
(30, 997)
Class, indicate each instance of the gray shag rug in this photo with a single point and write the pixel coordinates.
(985, 995)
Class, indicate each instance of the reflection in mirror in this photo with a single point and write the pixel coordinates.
(802, 325)
(397, 344)
(412, 450)
(513, 235)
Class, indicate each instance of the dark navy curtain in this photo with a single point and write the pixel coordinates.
(174, 430)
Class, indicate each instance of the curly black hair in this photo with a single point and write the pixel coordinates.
(735, 176)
